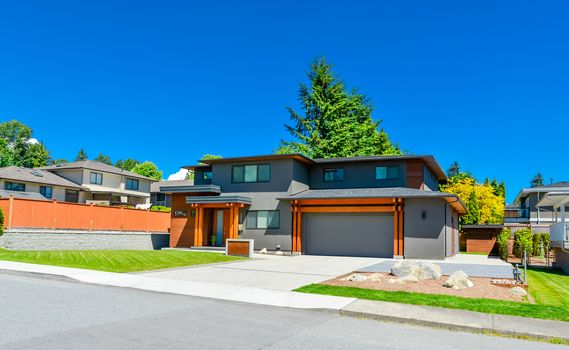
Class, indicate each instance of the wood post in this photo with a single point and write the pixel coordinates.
(398, 219)
(296, 227)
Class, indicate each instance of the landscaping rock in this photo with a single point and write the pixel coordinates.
(409, 278)
(356, 277)
(263, 251)
(519, 291)
(391, 281)
(458, 280)
(279, 252)
(422, 270)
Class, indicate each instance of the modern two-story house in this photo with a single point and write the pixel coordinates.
(382, 206)
(104, 183)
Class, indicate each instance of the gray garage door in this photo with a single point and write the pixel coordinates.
(348, 234)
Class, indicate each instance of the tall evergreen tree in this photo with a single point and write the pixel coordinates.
(473, 215)
(81, 155)
(453, 170)
(537, 180)
(334, 122)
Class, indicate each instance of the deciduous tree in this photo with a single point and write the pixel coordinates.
(127, 164)
(148, 169)
(104, 159)
(19, 148)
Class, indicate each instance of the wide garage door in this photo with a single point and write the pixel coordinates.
(348, 234)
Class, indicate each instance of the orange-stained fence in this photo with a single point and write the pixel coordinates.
(31, 213)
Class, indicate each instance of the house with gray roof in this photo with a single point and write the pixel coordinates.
(164, 198)
(37, 184)
(104, 184)
(380, 206)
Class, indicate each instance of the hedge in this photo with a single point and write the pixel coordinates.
(523, 240)
(502, 241)
(160, 208)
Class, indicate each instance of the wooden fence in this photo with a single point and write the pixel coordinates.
(29, 213)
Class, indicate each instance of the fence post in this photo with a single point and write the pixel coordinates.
(10, 210)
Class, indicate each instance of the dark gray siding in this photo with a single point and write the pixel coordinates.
(430, 180)
(281, 177)
(198, 176)
(425, 237)
(348, 234)
(300, 177)
(357, 175)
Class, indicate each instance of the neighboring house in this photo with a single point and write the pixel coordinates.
(382, 206)
(525, 212)
(558, 201)
(159, 197)
(104, 183)
(40, 184)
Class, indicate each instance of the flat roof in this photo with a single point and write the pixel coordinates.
(217, 199)
(428, 159)
(389, 192)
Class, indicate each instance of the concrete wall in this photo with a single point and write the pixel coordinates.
(82, 240)
(424, 228)
(357, 175)
(562, 259)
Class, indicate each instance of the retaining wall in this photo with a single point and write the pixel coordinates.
(47, 239)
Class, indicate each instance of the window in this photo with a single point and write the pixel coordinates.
(263, 219)
(71, 196)
(251, 173)
(336, 174)
(96, 178)
(14, 186)
(386, 172)
(131, 184)
(46, 191)
(207, 175)
(160, 197)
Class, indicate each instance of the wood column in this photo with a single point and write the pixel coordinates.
(398, 219)
(296, 227)
(235, 219)
(198, 226)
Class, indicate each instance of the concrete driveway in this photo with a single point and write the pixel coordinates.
(269, 271)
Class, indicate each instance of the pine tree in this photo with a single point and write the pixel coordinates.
(537, 180)
(453, 170)
(81, 155)
(334, 122)
(104, 159)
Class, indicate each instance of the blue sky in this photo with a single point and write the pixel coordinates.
(485, 83)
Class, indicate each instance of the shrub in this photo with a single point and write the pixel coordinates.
(160, 208)
(1, 222)
(536, 243)
(546, 239)
(523, 240)
(502, 241)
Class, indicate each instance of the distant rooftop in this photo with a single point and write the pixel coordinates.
(95, 165)
(39, 176)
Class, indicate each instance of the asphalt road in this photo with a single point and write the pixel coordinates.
(41, 313)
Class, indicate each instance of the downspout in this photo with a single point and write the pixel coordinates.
(446, 227)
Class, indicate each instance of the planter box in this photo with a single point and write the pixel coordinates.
(239, 247)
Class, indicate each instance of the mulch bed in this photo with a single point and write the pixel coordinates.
(482, 287)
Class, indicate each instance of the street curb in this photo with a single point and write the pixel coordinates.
(472, 328)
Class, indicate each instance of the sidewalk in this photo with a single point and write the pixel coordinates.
(421, 315)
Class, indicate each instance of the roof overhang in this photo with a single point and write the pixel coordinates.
(265, 157)
(190, 189)
(554, 199)
(218, 200)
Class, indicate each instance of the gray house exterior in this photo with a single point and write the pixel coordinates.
(381, 206)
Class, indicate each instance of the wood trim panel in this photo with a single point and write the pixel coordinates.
(347, 201)
(415, 173)
(238, 248)
(348, 209)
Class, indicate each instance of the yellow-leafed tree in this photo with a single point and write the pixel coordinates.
(484, 205)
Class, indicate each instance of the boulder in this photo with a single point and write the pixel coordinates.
(458, 280)
(356, 277)
(279, 252)
(375, 277)
(422, 270)
(409, 278)
(518, 291)
(263, 251)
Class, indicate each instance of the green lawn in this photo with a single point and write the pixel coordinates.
(550, 290)
(116, 260)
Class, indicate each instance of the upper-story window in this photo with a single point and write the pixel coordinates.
(46, 191)
(207, 175)
(131, 184)
(334, 174)
(251, 173)
(96, 178)
(15, 186)
(386, 172)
